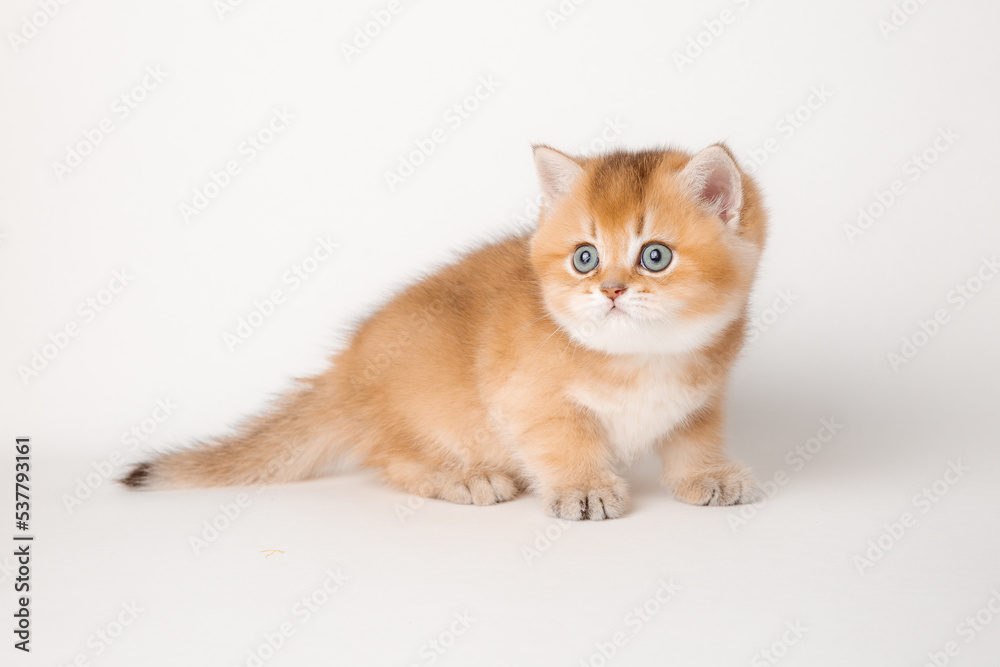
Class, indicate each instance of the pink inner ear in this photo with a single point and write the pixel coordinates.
(716, 187)
(715, 181)
(718, 192)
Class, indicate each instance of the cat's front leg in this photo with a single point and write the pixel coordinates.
(696, 468)
(565, 453)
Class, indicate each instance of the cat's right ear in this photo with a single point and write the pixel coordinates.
(557, 172)
(714, 180)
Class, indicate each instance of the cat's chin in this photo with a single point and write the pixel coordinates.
(620, 333)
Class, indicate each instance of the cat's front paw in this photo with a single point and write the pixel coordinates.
(726, 485)
(604, 500)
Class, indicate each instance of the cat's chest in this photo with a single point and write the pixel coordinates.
(637, 408)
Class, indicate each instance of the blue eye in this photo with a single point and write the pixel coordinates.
(656, 257)
(585, 259)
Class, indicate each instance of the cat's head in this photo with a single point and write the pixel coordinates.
(646, 252)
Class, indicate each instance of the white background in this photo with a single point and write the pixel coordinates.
(739, 580)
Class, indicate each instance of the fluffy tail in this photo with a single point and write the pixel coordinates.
(296, 440)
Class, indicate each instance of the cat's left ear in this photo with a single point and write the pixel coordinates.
(557, 172)
(713, 179)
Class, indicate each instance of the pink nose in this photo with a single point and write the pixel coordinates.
(613, 291)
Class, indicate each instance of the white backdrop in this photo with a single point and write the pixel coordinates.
(166, 169)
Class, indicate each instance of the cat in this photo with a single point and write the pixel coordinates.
(540, 362)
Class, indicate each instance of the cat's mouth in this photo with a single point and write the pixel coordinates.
(616, 311)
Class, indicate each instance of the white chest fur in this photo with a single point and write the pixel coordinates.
(642, 404)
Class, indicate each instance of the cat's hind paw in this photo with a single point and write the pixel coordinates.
(484, 488)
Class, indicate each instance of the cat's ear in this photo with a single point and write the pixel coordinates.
(557, 172)
(713, 179)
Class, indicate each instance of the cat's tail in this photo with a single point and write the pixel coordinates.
(296, 439)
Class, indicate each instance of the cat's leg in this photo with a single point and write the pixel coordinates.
(564, 451)
(696, 468)
(421, 474)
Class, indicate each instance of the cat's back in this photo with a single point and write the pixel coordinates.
(485, 281)
(437, 324)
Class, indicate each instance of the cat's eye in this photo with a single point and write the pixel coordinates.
(656, 257)
(585, 259)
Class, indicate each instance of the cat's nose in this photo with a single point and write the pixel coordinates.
(613, 290)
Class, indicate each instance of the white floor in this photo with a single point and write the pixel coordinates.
(880, 543)
(534, 590)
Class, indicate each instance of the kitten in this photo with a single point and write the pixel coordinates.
(539, 362)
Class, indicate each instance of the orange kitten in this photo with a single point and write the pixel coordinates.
(539, 362)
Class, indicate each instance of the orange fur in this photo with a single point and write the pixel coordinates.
(510, 369)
